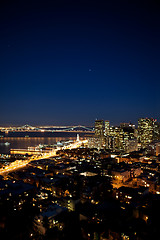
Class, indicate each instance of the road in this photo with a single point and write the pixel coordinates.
(18, 164)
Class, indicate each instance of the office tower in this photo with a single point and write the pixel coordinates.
(120, 137)
(156, 135)
(99, 128)
(131, 145)
(114, 136)
(145, 131)
(99, 134)
(129, 130)
(106, 128)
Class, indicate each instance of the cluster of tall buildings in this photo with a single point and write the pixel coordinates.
(126, 137)
(148, 131)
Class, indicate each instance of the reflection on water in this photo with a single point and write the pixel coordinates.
(25, 142)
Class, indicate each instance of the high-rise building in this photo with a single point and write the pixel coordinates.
(99, 128)
(99, 134)
(115, 136)
(131, 145)
(156, 131)
(106, 128)
(145, 131)
(120, 137)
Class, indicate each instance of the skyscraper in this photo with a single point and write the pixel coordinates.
(156, 131)
(106, 128)
(99, 134)
(145, 131)
(99, 128)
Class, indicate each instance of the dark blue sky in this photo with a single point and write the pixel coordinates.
(64, 62)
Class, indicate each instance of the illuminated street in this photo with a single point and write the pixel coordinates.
(18, 164)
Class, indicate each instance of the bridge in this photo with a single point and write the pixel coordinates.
(29, 128)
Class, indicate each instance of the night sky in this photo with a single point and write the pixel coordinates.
(70, 62)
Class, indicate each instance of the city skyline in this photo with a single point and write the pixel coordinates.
(65, 63)
(78, 125)
(107, 122)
